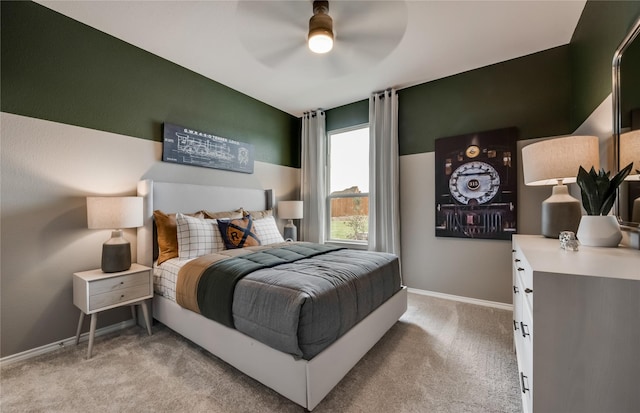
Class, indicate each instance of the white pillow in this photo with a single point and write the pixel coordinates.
(267, 230)
(197, 236)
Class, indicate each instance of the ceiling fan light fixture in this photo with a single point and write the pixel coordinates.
(320, 38)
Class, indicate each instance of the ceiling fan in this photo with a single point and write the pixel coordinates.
(276, 33)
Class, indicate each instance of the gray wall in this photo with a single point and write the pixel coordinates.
(47, 170)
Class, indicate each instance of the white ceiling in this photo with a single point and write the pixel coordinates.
(258, 47)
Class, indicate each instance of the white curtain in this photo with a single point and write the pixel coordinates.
(384, 176)
(313, 187)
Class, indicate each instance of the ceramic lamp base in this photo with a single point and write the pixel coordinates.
(116, 253)
(560, 212)
(290, 232)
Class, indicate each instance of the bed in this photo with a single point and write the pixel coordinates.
(303, 381)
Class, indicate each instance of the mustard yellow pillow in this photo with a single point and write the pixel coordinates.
(167, 234)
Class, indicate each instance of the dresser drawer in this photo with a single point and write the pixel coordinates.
(523, 272)
(118, 296)
(118, 283)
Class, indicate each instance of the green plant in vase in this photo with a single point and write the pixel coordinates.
(599, 191)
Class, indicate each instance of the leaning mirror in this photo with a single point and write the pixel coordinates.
(626, 122)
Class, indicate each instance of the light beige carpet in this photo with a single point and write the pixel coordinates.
(442, 356)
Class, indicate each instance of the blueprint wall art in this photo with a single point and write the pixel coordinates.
(188, 146)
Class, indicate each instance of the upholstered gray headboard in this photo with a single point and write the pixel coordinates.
(178, 197)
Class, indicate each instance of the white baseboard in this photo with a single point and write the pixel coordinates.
(71, 341)
(476, 301)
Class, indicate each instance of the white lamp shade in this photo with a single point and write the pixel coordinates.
(114, 212)
(290, 209)
(630, 152)
(545, 162)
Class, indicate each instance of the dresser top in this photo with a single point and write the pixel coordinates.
(544, 254)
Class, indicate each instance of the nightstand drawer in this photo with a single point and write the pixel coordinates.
(96, 291)
(118, 283)
(118, 296)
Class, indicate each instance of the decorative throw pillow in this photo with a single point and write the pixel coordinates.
(167, 239)
(267, 231)
(224, 214)
(197, 236)
(238, 233)
(256, 215)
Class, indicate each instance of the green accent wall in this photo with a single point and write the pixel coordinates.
(55, 68)
(352, 114)
(602, 27)
(531, 93)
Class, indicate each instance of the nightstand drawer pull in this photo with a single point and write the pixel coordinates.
(515, 325)
(522, 377)
(515, 290)
(520, 269)
(528, 290)
(517, 260)
(524, 333)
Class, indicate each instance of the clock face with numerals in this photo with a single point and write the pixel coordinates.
(475, 182)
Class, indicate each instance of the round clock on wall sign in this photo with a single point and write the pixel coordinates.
(474, 183)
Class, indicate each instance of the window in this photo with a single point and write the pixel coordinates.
(348, 186)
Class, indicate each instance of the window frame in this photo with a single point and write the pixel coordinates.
(356, 244)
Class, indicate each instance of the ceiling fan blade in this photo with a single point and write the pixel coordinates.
(270, 14)
(273, 31)
(277, 57)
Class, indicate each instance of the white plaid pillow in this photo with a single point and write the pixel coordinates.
(267, 230)
(197, 236)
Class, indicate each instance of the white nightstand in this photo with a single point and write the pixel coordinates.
(95, 291)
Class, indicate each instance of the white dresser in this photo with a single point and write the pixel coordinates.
(578, 342)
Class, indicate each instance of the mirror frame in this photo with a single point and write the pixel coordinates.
(617, 107)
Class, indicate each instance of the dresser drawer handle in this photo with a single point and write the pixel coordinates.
(517, 260)
(528, 290)
(513, 250)
(515, 325)
(520, 269)
(522, 377)
(515, 290)
(522, 326)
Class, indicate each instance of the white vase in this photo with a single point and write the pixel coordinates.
(599, 231)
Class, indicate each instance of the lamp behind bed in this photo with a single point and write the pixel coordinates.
(290, 210)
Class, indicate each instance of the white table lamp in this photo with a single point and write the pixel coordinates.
(630, 152)
(115, 213)
(556, 162)
(290, 210)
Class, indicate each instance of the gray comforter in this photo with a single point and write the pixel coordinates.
(302, 307)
